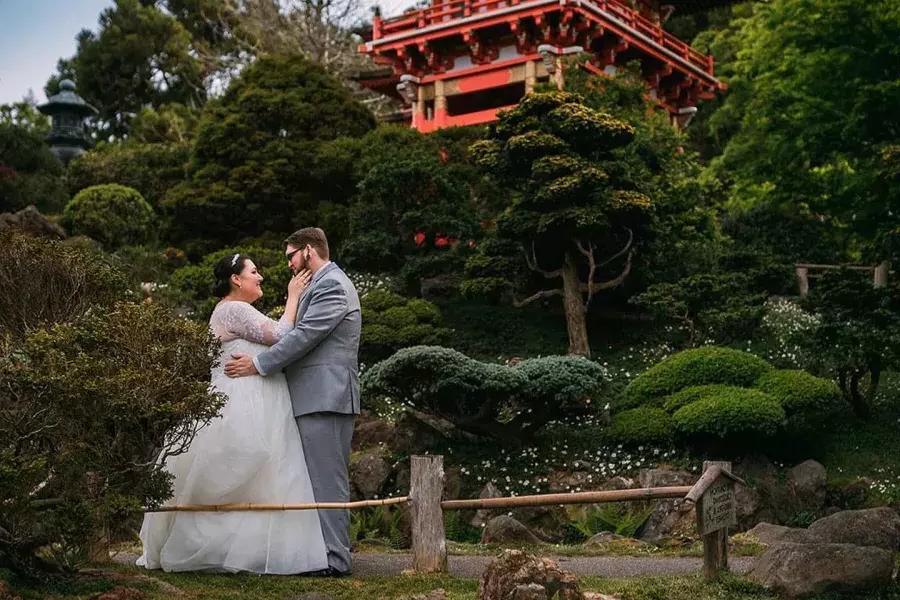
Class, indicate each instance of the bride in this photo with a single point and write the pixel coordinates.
(252, 453)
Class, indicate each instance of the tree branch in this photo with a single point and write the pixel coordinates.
(623, 250)
(537, 296)
(532, 264)
(592, 287)
(589, 254)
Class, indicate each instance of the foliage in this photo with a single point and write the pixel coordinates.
(151, 169)
(808, 121)
(698, 366)
(808, 401)
(112, 214)
(252, 169)
(725, 304)
(688, 395)
(46, 281)
(858, 334)
(29, 173)
(84, 409)
(191, 286)
(621, 518)
(392, 322)
(643, 426)
(571, 201)
(151, 46)
(378, 523)
(509, 403)
(737, 418)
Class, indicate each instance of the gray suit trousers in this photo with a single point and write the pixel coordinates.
(326, 445)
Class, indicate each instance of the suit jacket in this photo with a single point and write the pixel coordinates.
(320, 355)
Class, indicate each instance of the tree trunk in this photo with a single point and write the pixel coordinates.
(574, 307)
(857, 400)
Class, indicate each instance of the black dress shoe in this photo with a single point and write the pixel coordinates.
(329, 572)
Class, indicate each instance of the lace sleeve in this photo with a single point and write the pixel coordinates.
(233, 320)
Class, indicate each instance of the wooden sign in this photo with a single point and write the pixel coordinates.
(719, 507)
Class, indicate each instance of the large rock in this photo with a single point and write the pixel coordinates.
(807, 485)
(369, 471)
(371, 432)
(561, 481)
(515, 575)
(796, 570)
(418, 431)
(869, 527)
(768, 533)
(29, 220)
(665, 477)
(483, 515)
(504, 529)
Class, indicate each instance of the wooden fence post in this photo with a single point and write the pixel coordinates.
(429, 544)
(803, 281)
(881, 274)
(715, 543)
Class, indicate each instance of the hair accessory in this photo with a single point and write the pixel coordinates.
(234, 259)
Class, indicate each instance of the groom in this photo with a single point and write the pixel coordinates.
(319, 358)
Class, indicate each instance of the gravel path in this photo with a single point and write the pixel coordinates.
(374, 564)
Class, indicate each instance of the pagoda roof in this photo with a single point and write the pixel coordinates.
(67, 100)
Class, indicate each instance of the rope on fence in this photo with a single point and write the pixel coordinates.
(243, 507)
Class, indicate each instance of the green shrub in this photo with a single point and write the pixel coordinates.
(640, 426)
(391, 322)
(112, 214)
(807, 400)
(84, 409)
(44, 281)
(698, 366)
(673, 402)
(509, 403)
(191, 286)
(736, 417)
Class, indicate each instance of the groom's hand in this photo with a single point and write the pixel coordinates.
(240, 365)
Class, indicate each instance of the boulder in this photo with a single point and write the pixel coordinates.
(665, 477)
(369, 471)
(806, 484)
(515, 575)
(504, 529)
(797, 570)
(372, 432)
(767, 533)
(618, 483)
(878, 527)
(670, 519)
(482, 515)
(561, 481)
(418, 431)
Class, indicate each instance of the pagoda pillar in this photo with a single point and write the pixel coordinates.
(440, 103)
(530, 76)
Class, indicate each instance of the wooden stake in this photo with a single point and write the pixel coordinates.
(429, 545)
(881, 274)
(803, 281)
(715, 544)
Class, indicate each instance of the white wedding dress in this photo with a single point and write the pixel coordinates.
(252, 453)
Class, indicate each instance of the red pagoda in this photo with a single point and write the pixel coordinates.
(459, 62)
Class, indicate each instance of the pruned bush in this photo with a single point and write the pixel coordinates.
(85, 408)
(509, 403)
(44, 281)
(391, 322)
(807, 400)
(738, 418)
(684, 397)
(698, 366)
(191, 286)
(112, 214)
(640, 426)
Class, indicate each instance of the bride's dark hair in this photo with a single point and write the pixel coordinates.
(227, 266)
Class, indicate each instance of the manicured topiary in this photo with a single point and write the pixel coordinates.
(673, 402)
(737, 417)
(391, 322)
(807, 400)
(640, 426)
(112, 214)
(698, 366)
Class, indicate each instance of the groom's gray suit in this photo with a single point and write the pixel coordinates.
(319, 358)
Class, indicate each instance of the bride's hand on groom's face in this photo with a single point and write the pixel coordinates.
(240, 365)
(299, 282)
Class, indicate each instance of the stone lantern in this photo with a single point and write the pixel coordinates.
(67, 137)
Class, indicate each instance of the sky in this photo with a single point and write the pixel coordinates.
(34, 34)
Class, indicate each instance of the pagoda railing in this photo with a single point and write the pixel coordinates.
(458, 9)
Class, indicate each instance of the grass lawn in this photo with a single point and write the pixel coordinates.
(249, 587)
